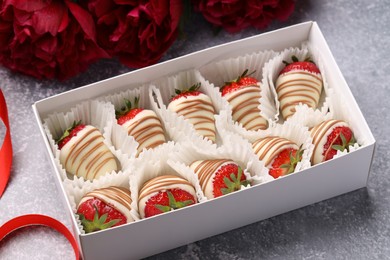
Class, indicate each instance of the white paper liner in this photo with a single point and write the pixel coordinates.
(153, 163)
(296, 133)
(275, 65)
(178, 128)
(75, 191)
(340, 111)
(234, 148)
(227, 70)
(120, 139)
(95, 113)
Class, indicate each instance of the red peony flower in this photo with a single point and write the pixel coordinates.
(138, 31)
(47, 39)
(235, 15)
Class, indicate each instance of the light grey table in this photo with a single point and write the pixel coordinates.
(352, 226)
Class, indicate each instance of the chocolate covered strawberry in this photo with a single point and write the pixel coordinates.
(219, 177)
(243, 95)
(104, 208)
(83, 152)
(163, 194)
(298, 82)
(142, 124)
(329, 137)
(279, 155)
(197, 108)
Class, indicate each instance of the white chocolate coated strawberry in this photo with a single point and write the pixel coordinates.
(199, 111)
(146, 129)
(269, 147)
(206, 171)
(161, 184)
(117, 197)
(320, 133)
(86, 155)
(298, 86)
(244, 103)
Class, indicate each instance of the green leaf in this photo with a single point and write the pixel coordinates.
(338, 147)
(163, 208)
(294, 58)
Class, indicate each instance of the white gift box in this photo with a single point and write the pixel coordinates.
(156, 234)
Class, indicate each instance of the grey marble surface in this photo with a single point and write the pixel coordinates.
(352, 226)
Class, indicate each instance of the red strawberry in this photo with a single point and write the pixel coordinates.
(300, 65)
(192, 91)
(229, 178)
(128, 112)
(242, 81)
(96, 215)
(69, 133)
(340, 139)
(168, 200)
(285, 162)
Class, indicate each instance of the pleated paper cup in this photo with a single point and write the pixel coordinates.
(95, 113)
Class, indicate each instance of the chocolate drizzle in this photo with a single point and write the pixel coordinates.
(320, 133)
(245, 103)
(146, 129)
(87, 156)
(207, 169)
(296, 87)
(268, 148)
(199, 111)
(114, 196)
(162, 183)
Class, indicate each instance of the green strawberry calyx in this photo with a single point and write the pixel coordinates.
(67, 131)
(295, 59)
(193, 88)
(234, 183)
(127, 107)
(98, 223)
(294, 160)
(344, 144)
(173, 204)
(243, 75)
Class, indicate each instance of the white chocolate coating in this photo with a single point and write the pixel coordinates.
(244, 103)
(161, 184)
(206, 171)
(117, 197)
(86, 155)
(298, 86)
(199, 111)
(320, 133)
(268, 148)
(146, 129)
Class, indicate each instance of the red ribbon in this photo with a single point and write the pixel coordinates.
(5, 170)
(34, 219)
(6, 148)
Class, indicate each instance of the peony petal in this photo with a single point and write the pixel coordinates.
(48, 19)
(83, 18)
(26, 5)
